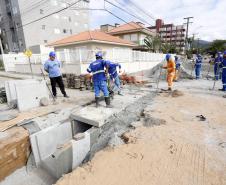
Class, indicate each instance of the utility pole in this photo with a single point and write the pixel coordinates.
(198, 45)
(187, 25)
(1, 48)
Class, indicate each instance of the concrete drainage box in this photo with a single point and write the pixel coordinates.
(56, 151)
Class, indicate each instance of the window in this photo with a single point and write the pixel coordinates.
(57, 31)
(134, 37)
(56, 16)
(64, 31)
(6, 46)
(45, 41)
(14, 11)
(126, 37)
(43, 27)
(41, 11)
(76, 13)
(54, 2)
(64, 5)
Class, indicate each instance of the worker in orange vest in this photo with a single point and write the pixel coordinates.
(171, 68)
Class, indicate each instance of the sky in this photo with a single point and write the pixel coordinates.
(209, 22)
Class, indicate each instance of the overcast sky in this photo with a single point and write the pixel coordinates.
(209, 21)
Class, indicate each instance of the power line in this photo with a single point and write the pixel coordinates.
(141, 9)
(127, 12)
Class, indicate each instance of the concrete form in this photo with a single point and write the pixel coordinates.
(26, 93)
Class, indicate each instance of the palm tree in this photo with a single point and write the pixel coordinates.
(153, 43)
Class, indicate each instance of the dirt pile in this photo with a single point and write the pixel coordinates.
(177, 93)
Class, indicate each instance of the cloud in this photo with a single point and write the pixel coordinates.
(209, 21)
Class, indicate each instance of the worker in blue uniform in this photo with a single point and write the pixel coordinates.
(198, 66)
(223, 66)
(112, 70)
(97, 68)
(217, 62)
(52, 66)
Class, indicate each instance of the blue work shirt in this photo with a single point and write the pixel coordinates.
(198, 61)
(53, 68)
(112, 69)
(97, 68)
(218, 60)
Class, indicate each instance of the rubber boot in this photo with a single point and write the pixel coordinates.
(120, 93)
(97, 99)
(169, 89)
(108, 103)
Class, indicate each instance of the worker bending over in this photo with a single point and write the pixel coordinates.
(177, 63)
(114, 77)
(97, 68)
(170, 67)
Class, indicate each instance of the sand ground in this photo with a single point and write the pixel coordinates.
(183, 151)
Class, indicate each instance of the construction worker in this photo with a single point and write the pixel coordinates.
(52, 66)
(170, 67)
(97, 68)
(177, 63)
(223, 66)
(198, 66)
(217, 62)
(114, 77)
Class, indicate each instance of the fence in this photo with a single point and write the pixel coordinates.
(77, 61)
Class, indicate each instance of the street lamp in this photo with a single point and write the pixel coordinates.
(2, 51)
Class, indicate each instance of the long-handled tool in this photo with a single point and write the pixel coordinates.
(160, 74)
(54, 99)
(192, 69)
(207, 76)
(214, 83)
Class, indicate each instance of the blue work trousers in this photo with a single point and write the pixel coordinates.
(101, 86)
(198, 71)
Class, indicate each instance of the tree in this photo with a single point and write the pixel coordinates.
(216, 45)
(153, 43)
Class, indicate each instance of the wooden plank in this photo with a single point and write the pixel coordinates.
(24, 116)
(14, 150)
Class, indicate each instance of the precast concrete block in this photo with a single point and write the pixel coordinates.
(80, 149)
(45, 142)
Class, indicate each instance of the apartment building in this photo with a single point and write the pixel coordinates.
(170, 33)
(27, 24)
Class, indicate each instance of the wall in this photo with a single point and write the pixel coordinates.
(76, 60)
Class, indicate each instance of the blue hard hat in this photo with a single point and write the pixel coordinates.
(99, 54)
(176, 57)
(52, 54)
(168, 56)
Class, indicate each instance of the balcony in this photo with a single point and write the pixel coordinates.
(8, 9)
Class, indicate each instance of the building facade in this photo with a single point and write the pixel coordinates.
(171, 34)
(23, 24)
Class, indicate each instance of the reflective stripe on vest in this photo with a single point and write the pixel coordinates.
(96, 72)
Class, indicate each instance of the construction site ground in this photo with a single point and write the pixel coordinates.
(183, 150)
(180, 150)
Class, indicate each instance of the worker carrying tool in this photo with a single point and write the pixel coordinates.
(198, 66)
(223, 66)
(217, 61)
(114, 77)
(97, 68)
(170, 67)
(177, 63)
(52, 66)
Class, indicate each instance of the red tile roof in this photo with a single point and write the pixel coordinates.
(129, 27)
(92, 36)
